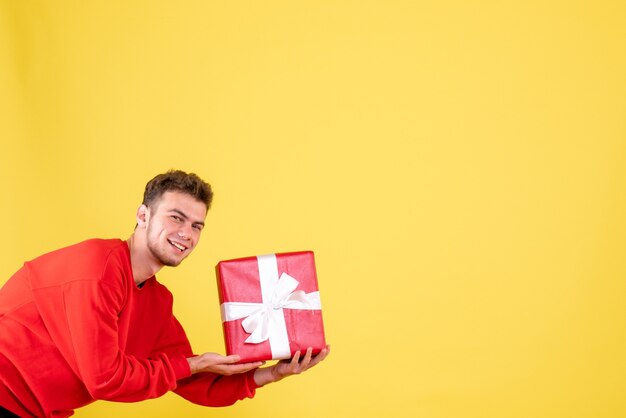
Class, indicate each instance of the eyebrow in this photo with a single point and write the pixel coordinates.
(183, 215)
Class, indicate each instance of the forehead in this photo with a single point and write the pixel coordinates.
(183, 202)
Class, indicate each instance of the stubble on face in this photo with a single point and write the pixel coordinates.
(166, 218)
(159, 252)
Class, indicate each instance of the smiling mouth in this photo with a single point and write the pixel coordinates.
(178, 246)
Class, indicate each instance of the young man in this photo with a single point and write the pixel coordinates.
(91, 321)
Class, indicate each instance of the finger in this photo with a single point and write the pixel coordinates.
(325, 352)
(240, 368)
(296, 358)
(233, 358)
(252, 364)
(319, 357)
(304, 364)
(292, 366)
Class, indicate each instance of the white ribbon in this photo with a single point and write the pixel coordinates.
(266, 321)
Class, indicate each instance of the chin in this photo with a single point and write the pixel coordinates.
(171, 262)
(164, 258)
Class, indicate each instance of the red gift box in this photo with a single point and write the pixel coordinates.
(270, 306)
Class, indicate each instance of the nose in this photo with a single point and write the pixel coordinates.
(185, 232)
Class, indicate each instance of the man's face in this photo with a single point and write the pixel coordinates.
(174, 224)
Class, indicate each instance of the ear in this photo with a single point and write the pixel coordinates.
(143, 216)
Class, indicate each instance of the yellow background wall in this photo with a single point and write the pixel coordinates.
(458, 168)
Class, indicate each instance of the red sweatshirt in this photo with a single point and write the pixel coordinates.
(74, 328)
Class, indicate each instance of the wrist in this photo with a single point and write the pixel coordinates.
(274, 373)
(266, 375)
(192, 364)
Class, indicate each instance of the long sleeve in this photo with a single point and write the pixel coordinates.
(208, 389)
(91, 310)
(81, 330)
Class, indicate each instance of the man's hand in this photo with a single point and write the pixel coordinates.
(217, 363)
(286, 368)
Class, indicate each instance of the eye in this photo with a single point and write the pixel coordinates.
(198, 227)
(176, 218)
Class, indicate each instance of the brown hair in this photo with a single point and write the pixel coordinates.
(177, 180)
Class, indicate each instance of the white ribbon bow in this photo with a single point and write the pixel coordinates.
(266, 321)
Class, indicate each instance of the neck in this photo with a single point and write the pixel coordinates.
(143, 263)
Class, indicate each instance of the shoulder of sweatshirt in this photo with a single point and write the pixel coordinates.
(87, 260)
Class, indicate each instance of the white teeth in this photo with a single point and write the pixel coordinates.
(180, 247)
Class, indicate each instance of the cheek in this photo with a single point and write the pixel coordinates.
(157, 229)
